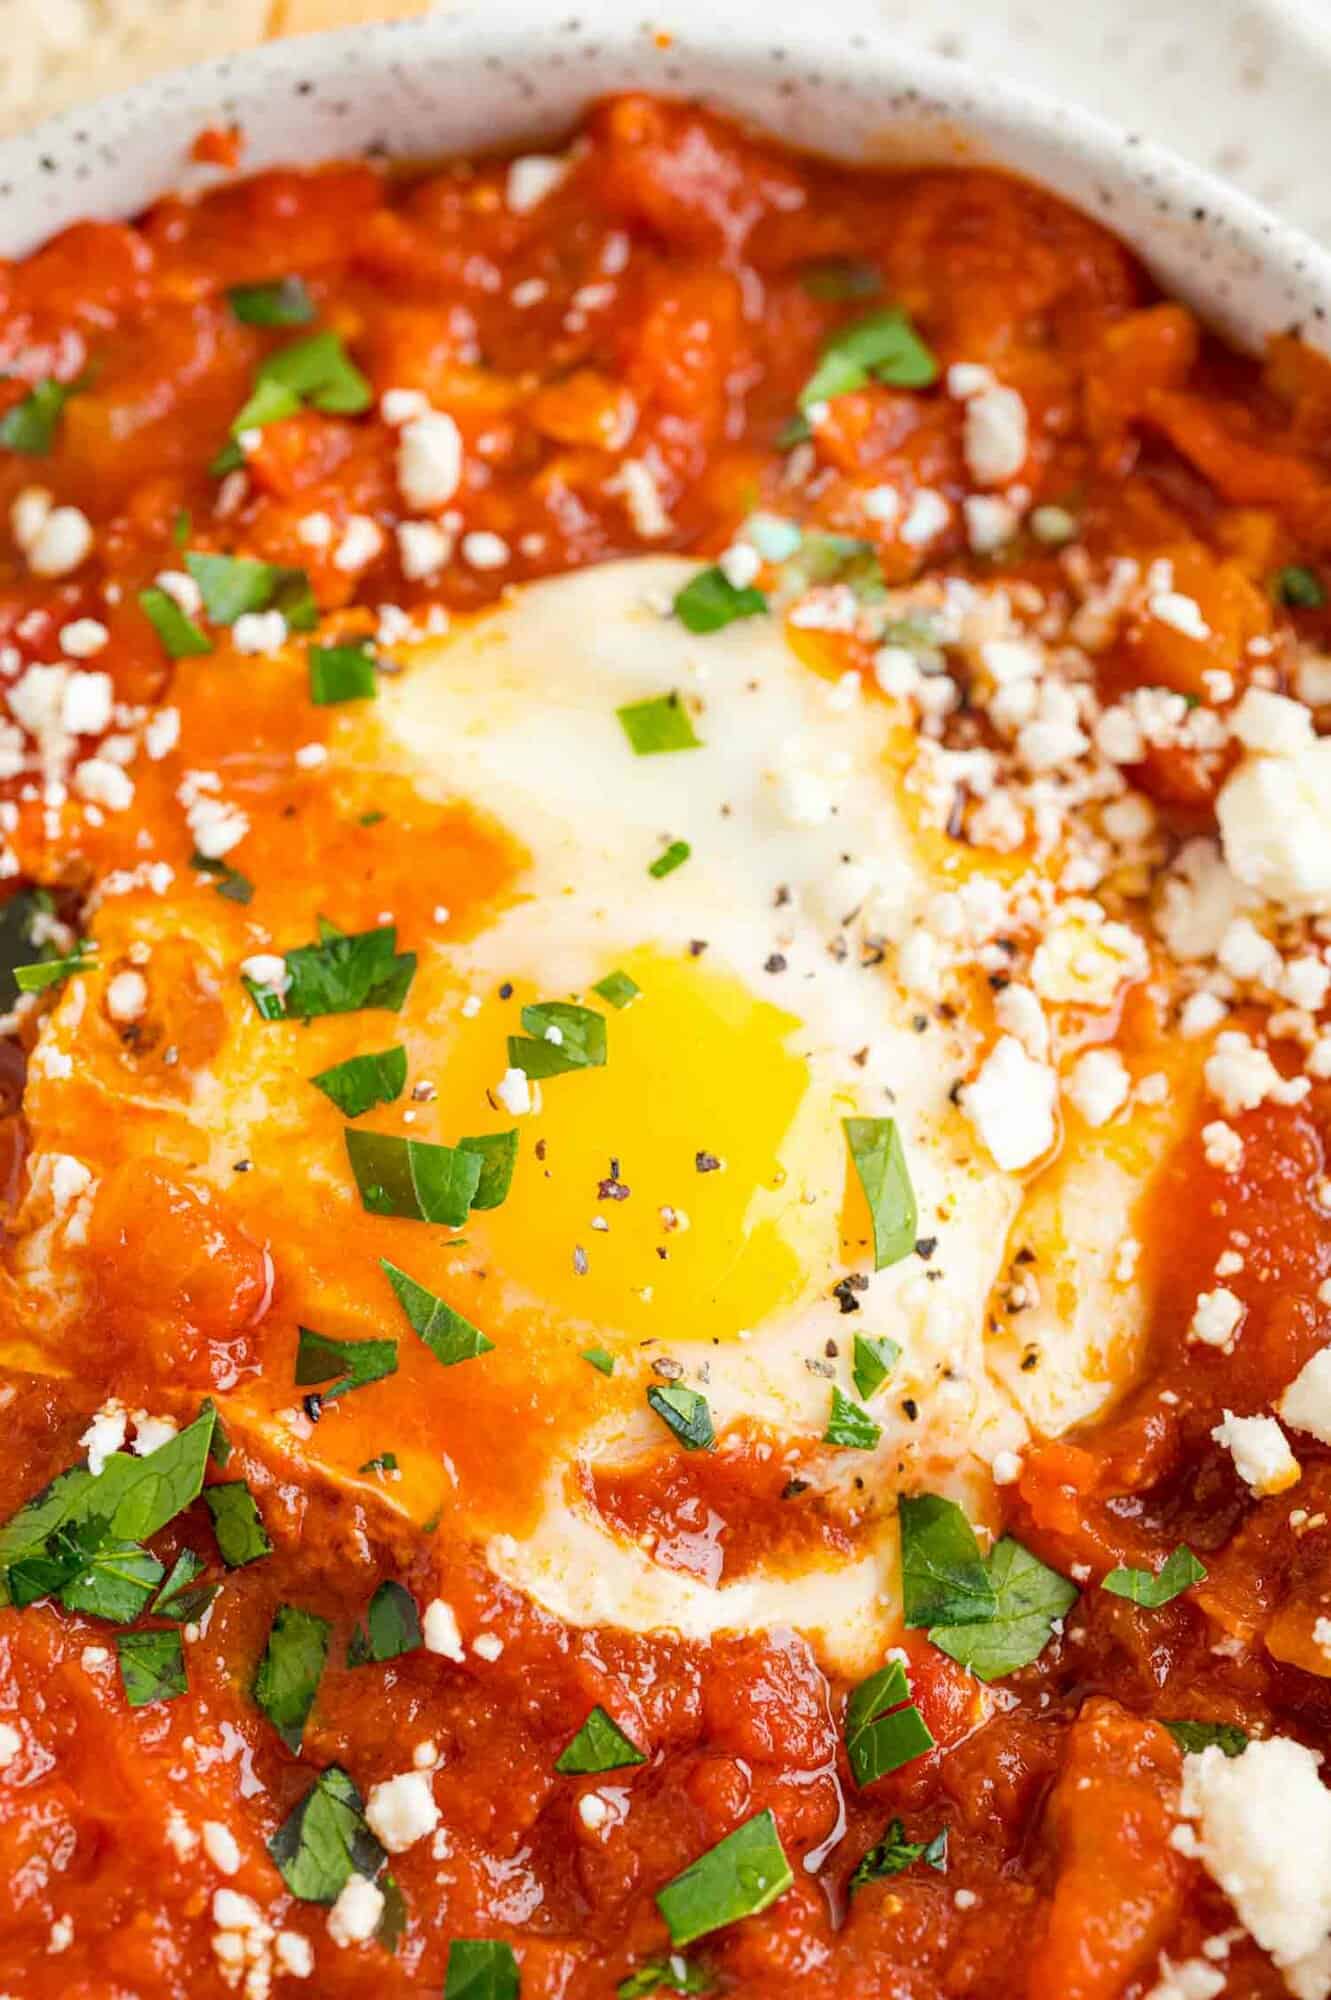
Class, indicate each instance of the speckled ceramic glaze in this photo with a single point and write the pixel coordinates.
(519, 74)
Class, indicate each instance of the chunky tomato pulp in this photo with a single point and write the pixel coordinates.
(621, 347)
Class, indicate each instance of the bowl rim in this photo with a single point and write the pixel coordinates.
(47, 172)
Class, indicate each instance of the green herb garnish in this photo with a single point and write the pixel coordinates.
(449, 1337)
(358, 1084)
(1300, 588)
(284, 302)
(49, 972)
(481, 1969)
(710, 601)
(882, 347)
(1194, 1737)
(884, 1729)
(893, 1854)
(1029, 1599)
(343, 973)
(600, 1745)
(740, 1876)
(115, 1583)
(685, 1412)
(392, 1627)
(30, 426)
(943, 1575)
(1152, 1588)
(342, 673)
(872, 1363)
(229, 881)
(237, 1523)
(664, 1975)
(152, 1666)
(880, 1163)
(560, 1037)
(177, 631)
(324, 1841)
(181, 1597)
(670, 859)
(231, 586)
(347, 1364)
(291, 1669)
(413, 1178)
(599, 1359)
(658, 725)
(849, 1425)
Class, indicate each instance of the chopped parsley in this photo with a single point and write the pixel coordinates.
(49, 972)
(237, 1523)
(849, 1425)
(1300, 588)
(600, 1745)
(291, 1669)
(342, 673)
(114, 1583)
(413, 1178)
(315, 373)
(481, 1969)
(880, 1163)
(231, 586)
(344, 973)
(872, 1362)
(710, 601)
(664, 1975)
(392, 1627)
(599, 1359)
(179, 634)
(672, 857)
(884, 1729)
(560, 1037)
(893, 1854)
(1194, 1737)
(182, 1598)
(943, 1575)
(358, 1084)
(152, 1666)
(283, 302)
(1152, 1588)
(347, 1364)
(228, 882)
(325, 1840)
(741, 1875)
(449, 1337)
(617, 989)
(17, 918)
(883, 346)
(1029, 1599)
(386, 1461)
(685, 1412)
(30, 426)
(658, 725)
(498, 1154)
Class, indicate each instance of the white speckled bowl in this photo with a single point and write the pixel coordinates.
(516, 73)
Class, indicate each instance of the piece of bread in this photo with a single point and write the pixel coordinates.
(70, 50)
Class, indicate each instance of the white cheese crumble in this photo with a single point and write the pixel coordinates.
(1306, 1403)
(1260, 1451)
(996, 436)
(514, 1092)
(429, 460)
(1215, 1319)
(1098, 1085)
(1011, 1105)
(439, 1627)
(531, 179)
(354, 1917)
(401, 1810)
(104, 1435)
(10, 1744)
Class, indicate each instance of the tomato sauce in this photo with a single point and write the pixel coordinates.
(659, 293)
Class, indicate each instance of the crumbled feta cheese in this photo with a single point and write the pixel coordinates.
(642, 496)
(1242, 1076)
(104, 1435)
(1098, 1085)
(1190, 1979)
(1264, 1834)
(1222, 1148)
(259, 632)
(401, 1810)
(439, 1627)
(219, 1844)
(1019, 1013)
(127, 996)
(995, 436)
(266, 970)
(422, 549)
(162, 733)
(1215, 1319)
(1275, 826)
(531, 179)
(482, 550)
(429, 460)
(926, 518)
(399, 406)
(1181, 613)
(294, 1954)
(362, 540)
(1200, 1014)
(86, 707)
(990, 522)
(487, 1646)
(1260, 1451)
(1011, 1105)
(514, 1092)
(1306, 1403)
(354, 1917)
(55, 540)
(69, 1179)
(1271, 723)
(83, 637)
(593, 1811)
(1006, 1468)
(104, 784)
(152, 1432)
(10, 1744)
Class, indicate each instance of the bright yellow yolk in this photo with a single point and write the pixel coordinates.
(696, 1066)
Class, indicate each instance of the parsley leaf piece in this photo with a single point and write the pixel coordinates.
(710, 601)
(849, 1425)
(884, 1729)
(664, 1975)
(229, 882)
(880, 1166)
(1028, 1598)
(741, 1875)
(685, 1412)
(344, 973)
(342, 673)
(498, 1153)
(669, 859)
(116, 1584)
(219, 1448)
(1152, 1588)
(283, 302)
(386, 1461)
(944, 1580)
(1194, 1737)
(48, 972)
(659, 724)
(30, 426)
(177, 631)
(358, 1084)
(600, 1745)
(143, 1494)
(152, 1666)
(577, 1040)
(347, 1364)
(882, 346)
(233, 585)
(449, 1337)
(872, 1363)
(893, 1854)
(291, 1669)
(617, 989)
(836, 279)
(392, 1627)
(411, 1177)
(481, 1969)
(320, 371)
(181, 1598)
(600, 1360)
(267, 403)
(1301, 589)
(324, 1840)
(45, 1570)
(17, 916)
(237, 1523)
